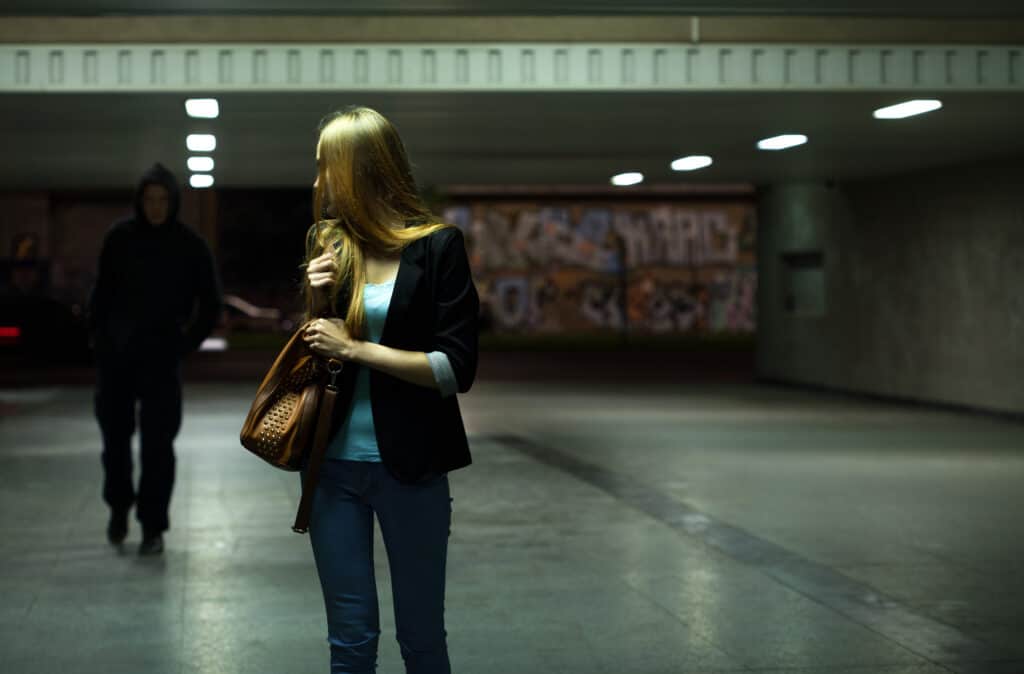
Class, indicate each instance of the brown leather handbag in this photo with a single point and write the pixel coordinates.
(290, 419)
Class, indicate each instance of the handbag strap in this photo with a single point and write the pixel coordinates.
(316, 455)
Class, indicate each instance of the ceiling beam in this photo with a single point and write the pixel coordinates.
(618, 67)
(490, 29)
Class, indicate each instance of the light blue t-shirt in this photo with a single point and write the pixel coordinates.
(356, 440)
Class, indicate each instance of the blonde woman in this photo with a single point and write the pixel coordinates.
(405, 316)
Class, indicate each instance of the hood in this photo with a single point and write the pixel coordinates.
(158, 174)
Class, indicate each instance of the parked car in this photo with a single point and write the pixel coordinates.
(38, 328)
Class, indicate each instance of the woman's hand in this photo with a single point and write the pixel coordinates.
(329, 338)
(320, 272)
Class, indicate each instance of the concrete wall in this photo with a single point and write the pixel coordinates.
(923, 285)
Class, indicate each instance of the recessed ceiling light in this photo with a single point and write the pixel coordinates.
(205, 108)
(201, 142)
(908, 109)
(691, 163)
(782, 142)
(200, 180)
(200, 164)
(630, 178)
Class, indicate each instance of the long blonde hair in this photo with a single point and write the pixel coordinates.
(364, 168)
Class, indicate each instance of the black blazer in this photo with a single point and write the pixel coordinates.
(434, 306)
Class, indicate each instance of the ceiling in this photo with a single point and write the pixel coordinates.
(889, 8)
(267, 139)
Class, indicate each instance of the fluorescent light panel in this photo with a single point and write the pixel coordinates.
(200, 180)
(201, 142)
(629, 178)
(782, 142)
(203, 108)
(908, 109)
(200, 164)
(691, 163)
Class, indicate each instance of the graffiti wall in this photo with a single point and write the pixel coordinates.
(651, 267)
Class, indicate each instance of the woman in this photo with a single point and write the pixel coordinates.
(407, 314)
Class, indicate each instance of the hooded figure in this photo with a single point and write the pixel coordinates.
(151, 276)
(156, 298)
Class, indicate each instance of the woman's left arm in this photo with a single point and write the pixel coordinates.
(411, 366)
(330, 338)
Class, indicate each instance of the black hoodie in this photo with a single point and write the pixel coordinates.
(149, 282)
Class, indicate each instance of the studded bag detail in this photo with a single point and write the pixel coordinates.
(290, 418)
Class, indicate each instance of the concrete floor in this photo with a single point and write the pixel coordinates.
(637, 528)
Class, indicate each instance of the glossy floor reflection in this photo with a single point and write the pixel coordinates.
(640, 529)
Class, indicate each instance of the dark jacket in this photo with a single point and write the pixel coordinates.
(157, 293)
(434, 306)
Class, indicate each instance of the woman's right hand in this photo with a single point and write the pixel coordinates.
(320, 272)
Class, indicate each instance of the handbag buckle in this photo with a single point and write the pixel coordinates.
(333, 367)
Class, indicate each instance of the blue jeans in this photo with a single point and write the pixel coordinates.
(415, 521)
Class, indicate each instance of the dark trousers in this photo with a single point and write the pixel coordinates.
(156, 386)
(415, 522)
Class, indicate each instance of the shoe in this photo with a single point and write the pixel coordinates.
(152, 544)
(117, 527)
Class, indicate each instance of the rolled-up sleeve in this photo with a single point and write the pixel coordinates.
(456, 311)
(443, 373)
